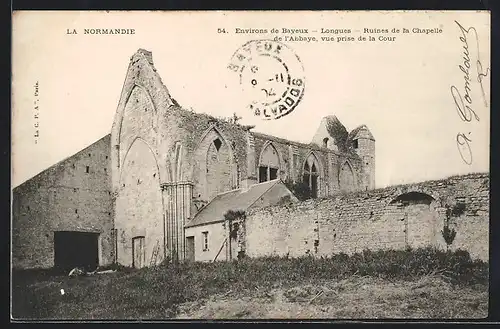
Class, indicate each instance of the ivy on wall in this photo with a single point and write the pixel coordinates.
(336, 129)
(300, 189)
(448, 232)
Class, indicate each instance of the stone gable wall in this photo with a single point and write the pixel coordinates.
(64, 197)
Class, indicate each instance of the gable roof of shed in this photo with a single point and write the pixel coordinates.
(239, 199)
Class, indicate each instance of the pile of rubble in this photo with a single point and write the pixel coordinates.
(81, 272)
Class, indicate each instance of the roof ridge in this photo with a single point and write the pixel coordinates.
(271, 186)
(251, 202)
(243, 189)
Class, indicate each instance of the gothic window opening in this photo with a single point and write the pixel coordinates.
(355, 144)
(273, 173)
(311, 174)
(269, 164)
(325, 142)
(219, 169)
(262, 174)
(217, 144)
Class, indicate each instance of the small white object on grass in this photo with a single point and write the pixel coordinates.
(62, 291)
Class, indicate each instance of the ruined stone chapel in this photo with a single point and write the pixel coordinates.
(133, 194)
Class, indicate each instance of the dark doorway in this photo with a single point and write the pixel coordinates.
(314, 186)
(262, 174)
(138, 252)
(190, 248)
(76, 249)
(273, 173)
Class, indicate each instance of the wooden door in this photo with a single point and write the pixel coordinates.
(190, 249)
(138, 252)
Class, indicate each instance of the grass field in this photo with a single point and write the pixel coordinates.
(422, 283)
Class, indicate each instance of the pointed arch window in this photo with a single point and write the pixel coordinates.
(217, 144)
(269, 164)
(311, 174)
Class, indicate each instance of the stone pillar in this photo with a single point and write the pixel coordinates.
(184, 194)
(167, 201)
(330, 178)
(291, 163)
(251, 178)
(294, 163)
(177, 200)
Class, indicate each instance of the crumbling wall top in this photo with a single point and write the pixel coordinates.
(145, 53)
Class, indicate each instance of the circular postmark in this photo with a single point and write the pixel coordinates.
(271, 76)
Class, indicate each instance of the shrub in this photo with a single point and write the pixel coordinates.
(300, 189)
(447, 232)
(233, 217)
(448, 235)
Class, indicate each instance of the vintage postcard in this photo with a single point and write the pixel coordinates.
(250, 165)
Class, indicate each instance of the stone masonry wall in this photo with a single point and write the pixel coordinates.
(375, 219)
(73, 195)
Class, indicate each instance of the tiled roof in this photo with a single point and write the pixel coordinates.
(240, 199)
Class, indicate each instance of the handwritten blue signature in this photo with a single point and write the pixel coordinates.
(463, 99)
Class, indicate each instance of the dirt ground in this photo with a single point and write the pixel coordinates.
(354, 298)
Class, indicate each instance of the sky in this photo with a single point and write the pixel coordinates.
(400, 89)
